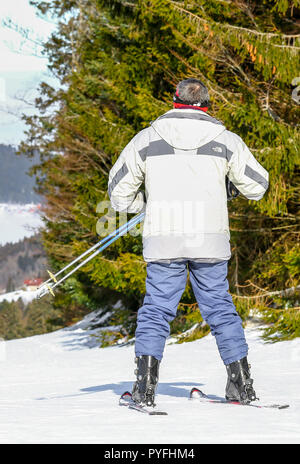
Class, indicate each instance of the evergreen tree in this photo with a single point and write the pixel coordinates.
(11, 320)
(118, 63)
(10, 286)
(40, 317)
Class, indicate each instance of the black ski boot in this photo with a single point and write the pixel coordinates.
(143, 391)
(239, 384)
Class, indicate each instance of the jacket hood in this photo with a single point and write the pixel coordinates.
(187, 129)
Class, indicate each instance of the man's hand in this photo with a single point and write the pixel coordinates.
(231, 190)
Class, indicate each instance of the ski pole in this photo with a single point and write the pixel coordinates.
(105, 239)
(46, 287)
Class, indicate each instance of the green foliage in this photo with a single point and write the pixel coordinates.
(243, 307)
(37, 318)
(188, 325)
(199, 331)
(124, 324)
(11, 320)
(284, 324)
(119, 63)
(109, 337)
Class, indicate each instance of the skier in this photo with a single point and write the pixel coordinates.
(183, 159)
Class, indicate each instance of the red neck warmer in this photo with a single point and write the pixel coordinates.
(181, 106)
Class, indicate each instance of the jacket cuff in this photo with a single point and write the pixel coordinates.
(138, 204)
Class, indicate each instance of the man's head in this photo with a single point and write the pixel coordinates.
(192, 92)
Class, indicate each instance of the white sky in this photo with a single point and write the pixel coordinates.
(20, 71)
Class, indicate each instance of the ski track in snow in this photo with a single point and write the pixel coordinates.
(61, 388)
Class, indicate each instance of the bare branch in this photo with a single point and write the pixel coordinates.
(285, 292)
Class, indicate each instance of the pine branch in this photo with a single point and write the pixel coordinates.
(239, 28)
(267, 35)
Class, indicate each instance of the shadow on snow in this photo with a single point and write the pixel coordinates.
(176, 389)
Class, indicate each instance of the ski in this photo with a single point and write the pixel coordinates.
(126, 400)
(196, 394)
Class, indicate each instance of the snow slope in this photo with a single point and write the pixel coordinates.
(18, 221)
(61, 388)
(25, 295)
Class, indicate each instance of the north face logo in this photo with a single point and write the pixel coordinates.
(218, 149)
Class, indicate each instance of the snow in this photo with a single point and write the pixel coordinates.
(18, 222)
(26, 295)
(61, 388)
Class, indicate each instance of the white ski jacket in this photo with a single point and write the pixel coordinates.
(183, 158)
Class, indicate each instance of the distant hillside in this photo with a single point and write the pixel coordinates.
(16, 186)
(19, 261)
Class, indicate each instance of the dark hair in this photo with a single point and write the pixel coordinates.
(192, 91)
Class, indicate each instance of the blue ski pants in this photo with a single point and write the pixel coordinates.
(165, 284)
